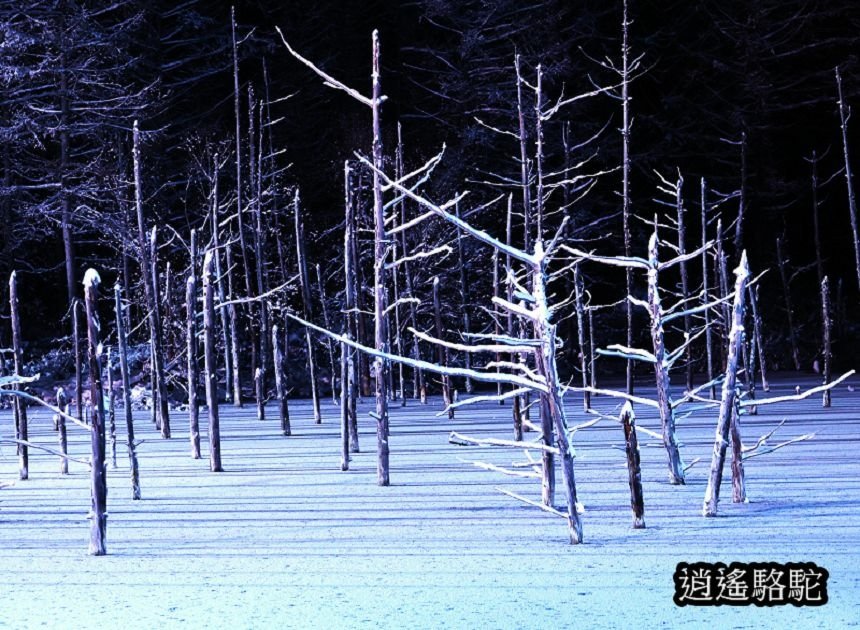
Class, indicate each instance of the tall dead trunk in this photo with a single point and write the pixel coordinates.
(210, 365)
(161, 400)
(327, 324)
(159, 391)
(625, 183)
(664, 402)
(307, 308)
(79, 372)
(826, 325)
(223, 312)
(465, 298)
(280, 382)
(233, 313)
(722, 281)
(685, 282)
(709, 340)
(580, 336)
(380, 256)
(98, 478)
(240, 222)
(753, 296)
(844, 115)
(19, 405)
(262, 307)
(191, 351)
(349, 386)
(727, 399)
(739, 488)
(516, 408)
(742, 199)
(111, 411)
(122, 343)
(634, 473)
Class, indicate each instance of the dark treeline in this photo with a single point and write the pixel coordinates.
(743, 94)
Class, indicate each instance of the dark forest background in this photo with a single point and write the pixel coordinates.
(74, 75)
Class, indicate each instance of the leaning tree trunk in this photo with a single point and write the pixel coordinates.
(727, 400)
(98, 529)
(210, 364)
(849, 181)
(19, 405)
(122, 343)
(667, 414)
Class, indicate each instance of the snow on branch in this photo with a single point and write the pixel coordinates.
(793, 397)
(618, 350)
(465, 440)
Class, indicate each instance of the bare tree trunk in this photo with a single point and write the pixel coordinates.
(19, 405)
(210, 364)
(233, 312)
(580, 336)
(497, 328)
(625, 183)
(226, 337)
(147, 270)
(79, 372)
(442, 351)
(161, 400)
(111, 410)
(709, 341)
(849, 181)
(62, 405)
(827, 324)
(592, 349)
(98, 529)
(727, 400)
(465, 298)
(739, 489)
(517, 403)
(398, 328)
(634, 473)
(749, 357)
(307, 309)
(262, 328)
(379, 280)
(816, 234)
(722, 281)
(786, 292)
(742, 201)
(327, 324)
(243, 250)
(122, 343)
(280, 382)
(667, 414)
(191, 339)
(685, 283)
(758, 338)
(348, 410)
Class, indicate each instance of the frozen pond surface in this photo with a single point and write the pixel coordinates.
(283, 538)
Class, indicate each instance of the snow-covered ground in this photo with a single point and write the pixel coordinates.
(284, 539)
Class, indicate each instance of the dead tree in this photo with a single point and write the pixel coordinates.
(727, 400)
(210, 365)
(659, 357)
(441, 350)
(191, 343)
(758, 337)
(327, 324)
(381, 252)
(233, 313)
(709, 342)
(280, 385)
(98, 529)
(844, 116)
(580, 336)
(307, 312)
(79, 372)
(349, 386)
(262, 310)
(122, 344)
(224, 313)
(60, 421)
(147, 271)
(634, 473)
(19, 405)
(111, 410)
(826, 325)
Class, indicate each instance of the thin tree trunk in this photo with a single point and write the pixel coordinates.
(742, 201)
(122, 342)
(634, 473)
(758, 338)
(816, 234)
(159, 392)
(592, 346)
(19, 405)
(348, 410)
(442, 351)
(210, 364)
(727, 399)
(739, 488)
(191, 339)
(98, 529)
(465, 298)
(223, 312)
(625, 184)
(685, 283)
(111, 411)
(327, 324)
(580, 337)
(379, 279)
(262, 328)
(79, 372)
(827, 325)
(280, 382)
(849, 178)
(786, 292)
(497, 328)
(667, 414)
(709, 340)
(722, 281)
(307, 309)
(161, 400)
(62, 405)
(233, 313)
(516, 408)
